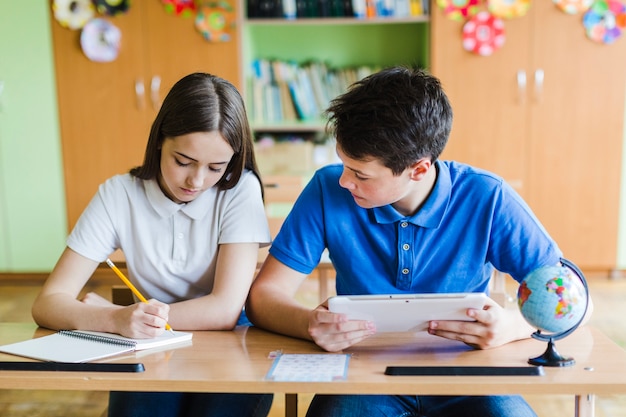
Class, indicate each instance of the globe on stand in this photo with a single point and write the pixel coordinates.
(554, 300)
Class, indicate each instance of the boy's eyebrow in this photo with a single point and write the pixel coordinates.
(195, 160)
(356, 171)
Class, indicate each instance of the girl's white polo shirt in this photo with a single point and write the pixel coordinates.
(170, 248)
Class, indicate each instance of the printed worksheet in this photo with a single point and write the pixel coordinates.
(322, 367)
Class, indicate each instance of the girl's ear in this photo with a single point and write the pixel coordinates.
(419, 169)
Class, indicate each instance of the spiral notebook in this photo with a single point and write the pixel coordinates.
(76, 346)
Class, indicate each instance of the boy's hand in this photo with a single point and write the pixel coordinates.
(493, 326)
(334, 332)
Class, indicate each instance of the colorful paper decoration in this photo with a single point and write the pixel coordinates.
(215, 20)
(483, 34)
(573, 6)
(508, 9)
(112, 7)
(185, 8)
(605, 20)
(459, 10)
(73, 14)
(100, 40)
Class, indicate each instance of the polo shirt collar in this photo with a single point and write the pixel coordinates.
(431, 213)
(166, 207)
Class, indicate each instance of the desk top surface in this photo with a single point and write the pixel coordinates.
(238, 361)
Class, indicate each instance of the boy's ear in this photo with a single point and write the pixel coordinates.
(420, 168)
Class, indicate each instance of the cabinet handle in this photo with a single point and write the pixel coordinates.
(140, 94)
(155, 88)
(539, 75)
(521, 86)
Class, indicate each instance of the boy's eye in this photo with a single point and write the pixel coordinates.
(359, 177)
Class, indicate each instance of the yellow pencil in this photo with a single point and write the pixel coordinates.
(131, 286)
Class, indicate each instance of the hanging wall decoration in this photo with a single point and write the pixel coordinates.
(483, 34)
(573, 6)
(111, 7)
(459, 10)
(605, 20)
(185, 8)
(508, 9)
(100, 40)
(73, 14)
(215, 21)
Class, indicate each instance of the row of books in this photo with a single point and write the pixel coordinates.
(296, 9)
(284, 91)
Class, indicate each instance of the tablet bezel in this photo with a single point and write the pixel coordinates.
(406, 312)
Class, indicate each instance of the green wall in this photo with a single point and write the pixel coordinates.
(32, 197)
(340, 45)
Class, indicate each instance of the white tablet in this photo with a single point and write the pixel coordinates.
(406, 312)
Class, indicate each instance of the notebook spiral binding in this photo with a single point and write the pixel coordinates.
(98, 338)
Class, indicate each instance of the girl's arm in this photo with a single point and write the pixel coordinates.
(219, 310)
(57, 306)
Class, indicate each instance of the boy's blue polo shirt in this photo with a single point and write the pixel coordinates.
(472, 221)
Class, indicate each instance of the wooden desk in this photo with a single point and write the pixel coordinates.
(238, 361)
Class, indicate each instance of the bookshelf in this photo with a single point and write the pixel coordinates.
(340, 44)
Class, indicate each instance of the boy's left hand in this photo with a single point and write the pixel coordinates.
(493, 326)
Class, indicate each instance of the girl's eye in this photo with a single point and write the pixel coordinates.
(179, 163)
(218, 170)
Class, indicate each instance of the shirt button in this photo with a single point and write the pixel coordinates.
(180, 235)
(404, 224)
(406, 246)
(405, 271)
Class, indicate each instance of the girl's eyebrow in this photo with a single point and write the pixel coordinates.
(185, 156)
(195, 160)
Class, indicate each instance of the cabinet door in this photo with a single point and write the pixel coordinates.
(576, 137)
(558, 139)
(104, 123)
(174, 48)
(488, 97)
(107, 109)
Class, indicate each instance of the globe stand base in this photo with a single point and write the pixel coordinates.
(551, 358)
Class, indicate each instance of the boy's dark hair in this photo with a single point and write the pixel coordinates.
(202, 102)
(398, 116)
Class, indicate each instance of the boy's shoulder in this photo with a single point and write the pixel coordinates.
(458, 171)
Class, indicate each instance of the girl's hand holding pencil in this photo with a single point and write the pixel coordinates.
(131, 286)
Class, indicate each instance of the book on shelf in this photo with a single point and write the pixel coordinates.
(299, 9)
(285, 91)
(77, 346)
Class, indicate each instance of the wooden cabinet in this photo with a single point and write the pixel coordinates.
(106, 109)
(546, 112)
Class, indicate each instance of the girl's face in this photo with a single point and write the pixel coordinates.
(192, 163)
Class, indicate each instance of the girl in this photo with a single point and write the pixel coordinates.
(190, 221)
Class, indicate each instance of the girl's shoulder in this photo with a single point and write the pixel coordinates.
(124, 185)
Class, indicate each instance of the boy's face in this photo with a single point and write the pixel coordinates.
(371, 183)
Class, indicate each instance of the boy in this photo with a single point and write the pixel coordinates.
(395, 219)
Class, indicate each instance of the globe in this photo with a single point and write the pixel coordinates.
(554, 300)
